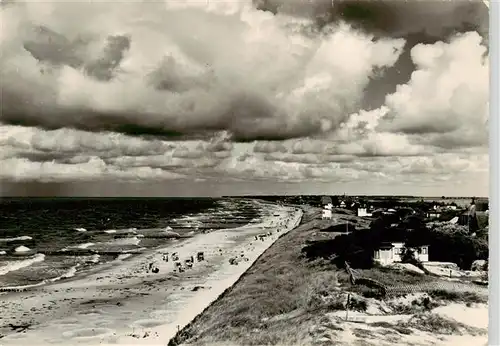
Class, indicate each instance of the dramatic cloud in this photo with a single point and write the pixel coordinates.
(391, 18)
(447, 94)
(254, 74)
(250, 94)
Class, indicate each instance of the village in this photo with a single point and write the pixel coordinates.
(403, 230)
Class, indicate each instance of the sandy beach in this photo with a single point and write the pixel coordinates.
(124, 303)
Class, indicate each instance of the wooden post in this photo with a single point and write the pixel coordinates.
(347, 306)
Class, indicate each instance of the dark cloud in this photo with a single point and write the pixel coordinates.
(390, 17)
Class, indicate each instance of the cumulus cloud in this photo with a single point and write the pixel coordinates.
(253, 74)
(447, 95)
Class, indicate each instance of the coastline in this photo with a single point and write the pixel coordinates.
(93, 309)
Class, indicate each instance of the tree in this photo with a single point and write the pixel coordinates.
(408, 255)
(325, 200)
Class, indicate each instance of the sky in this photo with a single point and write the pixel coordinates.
(209, 98)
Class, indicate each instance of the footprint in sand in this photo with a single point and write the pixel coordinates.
(86, 333)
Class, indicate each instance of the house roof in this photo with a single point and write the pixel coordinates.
(385, 246)
(388, 246)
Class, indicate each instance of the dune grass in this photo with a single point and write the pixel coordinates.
(436, 324)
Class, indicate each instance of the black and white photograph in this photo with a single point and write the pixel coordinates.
(244, 172)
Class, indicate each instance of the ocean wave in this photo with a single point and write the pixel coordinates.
(69, 273)
(123, 256)
(6, 240)
(22, 249)
(16, 265)
(3, 252)
(127, 241)
(85, 245)
(80, 229)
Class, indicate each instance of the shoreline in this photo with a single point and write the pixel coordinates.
(84, 251)
(102, 294)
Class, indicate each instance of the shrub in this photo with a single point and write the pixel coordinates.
(468, 297)
(357, 304)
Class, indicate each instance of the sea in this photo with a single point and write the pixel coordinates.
(44, 240)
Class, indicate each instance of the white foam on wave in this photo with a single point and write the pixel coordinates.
(127, 241)
(80, 229)
(3, 252)
(70, 273)
(94, 259)
(6, 240)
(16, 265)
(110, 231)
(22, 249)
(123, 256)
(85, 245)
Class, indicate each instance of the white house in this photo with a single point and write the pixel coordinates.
(363, 212)
(391, 252)
(433, 214)
(327, 213)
